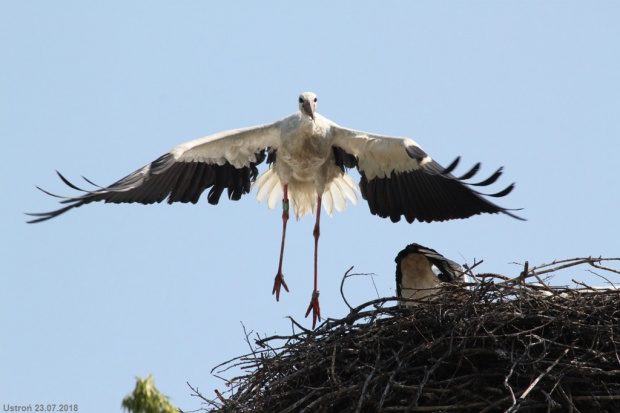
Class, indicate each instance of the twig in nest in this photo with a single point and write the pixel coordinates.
(347, 275)
(543, 374)
(344, 277)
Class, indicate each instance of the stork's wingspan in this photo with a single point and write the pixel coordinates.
(399, 179)
(309, 155)
(225, 160)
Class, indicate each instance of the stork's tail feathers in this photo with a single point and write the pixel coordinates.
(269, 187)
(337, 192)
(303, 194)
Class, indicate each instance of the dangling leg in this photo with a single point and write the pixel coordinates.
(314, 302)
(279, 280)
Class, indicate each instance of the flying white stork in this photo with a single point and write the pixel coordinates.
(415, 278)
(308, 157)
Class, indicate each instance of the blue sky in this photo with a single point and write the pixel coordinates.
(108, 292)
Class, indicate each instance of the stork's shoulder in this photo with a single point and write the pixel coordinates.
(358, 137)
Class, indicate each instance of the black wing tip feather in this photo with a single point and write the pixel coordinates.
(490, 180)
(74, 201)
(44, 216)
(503, 192)
(510, 214)
(473, 171)
(69, 184)
(453, 166)
(432, 193)
(446, 173)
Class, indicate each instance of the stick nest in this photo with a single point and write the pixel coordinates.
(499, 344)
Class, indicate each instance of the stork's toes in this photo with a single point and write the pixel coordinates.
(315, 307)
(277, 283)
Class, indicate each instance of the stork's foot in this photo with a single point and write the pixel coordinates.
(316, 309)
(277, 283)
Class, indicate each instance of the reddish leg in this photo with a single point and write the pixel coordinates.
(314, 302)
(279, 280)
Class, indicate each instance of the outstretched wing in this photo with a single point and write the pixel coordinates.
(226, 160)
(399, 179)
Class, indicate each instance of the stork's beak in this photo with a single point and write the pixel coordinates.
(308, 109)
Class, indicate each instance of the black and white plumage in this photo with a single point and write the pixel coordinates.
(308, 157)
(415, 278)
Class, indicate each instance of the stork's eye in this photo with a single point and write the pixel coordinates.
(315, 99)
(301, 100)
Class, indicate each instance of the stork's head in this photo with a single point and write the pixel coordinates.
(307, 104)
